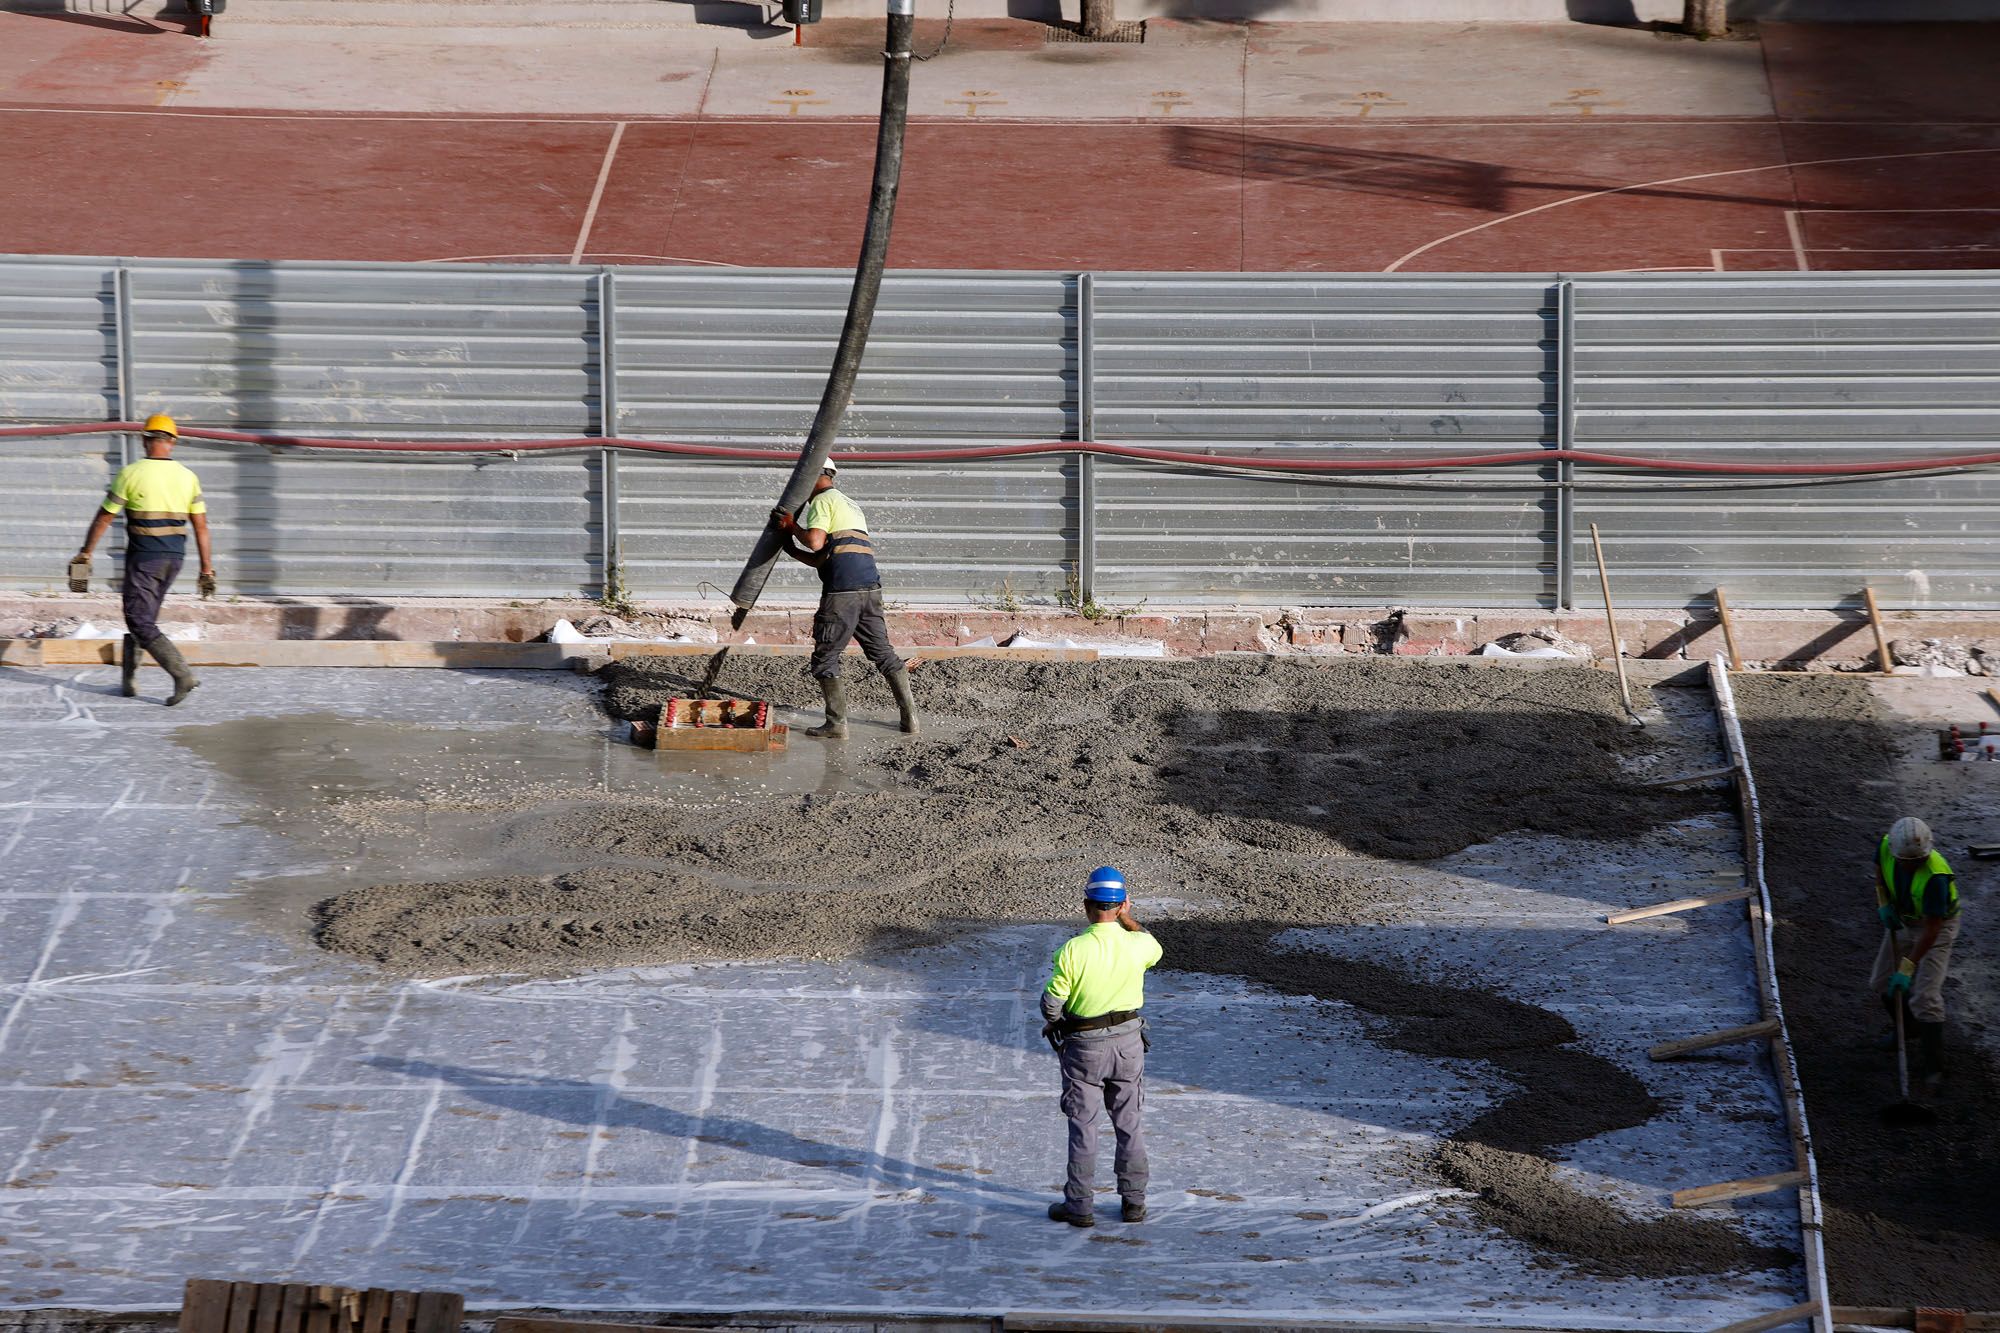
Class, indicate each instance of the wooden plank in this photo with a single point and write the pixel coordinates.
(242, 1305)
(204, 1306)
(1791, 1314)
(1699, 775)
(1674, 1050)
(1705, 1195)
(292, 1308)
(1884, 663)
(439, 1312)
(330, 653)
(912, 656)
(320, 1305)
(1728, 629)
(374, 1310)
(1993, 696)
(1875, 1316)
(21, 652)
(401, 1304)
(270, 1303)
(1735, 895)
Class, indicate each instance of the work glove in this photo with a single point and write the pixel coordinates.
(1052, 1033)
(1899, 984)
(79, 574)
(1887, 916)
(783, 518)
(207, 585)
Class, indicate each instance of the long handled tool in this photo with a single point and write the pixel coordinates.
(1611, 623)
(1904, 1111)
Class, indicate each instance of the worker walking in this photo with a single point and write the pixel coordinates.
(833, 538)
(1916, 899)
(161, 501)
(1092, 1010)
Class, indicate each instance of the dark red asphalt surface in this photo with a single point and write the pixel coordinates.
(1905, 176)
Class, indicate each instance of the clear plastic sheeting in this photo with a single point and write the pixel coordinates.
(189, 1087)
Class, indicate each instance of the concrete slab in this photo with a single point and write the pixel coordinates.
(1402, 71)
(194, 1088)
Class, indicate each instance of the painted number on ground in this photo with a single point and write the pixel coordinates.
(794, 98)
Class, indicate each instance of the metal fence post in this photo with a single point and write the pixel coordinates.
(607, 425)
(121, 316)
(1086, 431)
(1565, 439)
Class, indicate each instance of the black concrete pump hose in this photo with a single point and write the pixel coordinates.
(860, 307)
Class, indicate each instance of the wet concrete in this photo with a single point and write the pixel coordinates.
(1912, 1216)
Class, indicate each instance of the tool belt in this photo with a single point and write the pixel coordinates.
(1058, 1030)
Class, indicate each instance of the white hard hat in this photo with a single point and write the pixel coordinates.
(1910, 839)
(831, 468)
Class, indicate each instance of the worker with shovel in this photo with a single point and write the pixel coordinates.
(1091, 1009)
(1916, 898)
(161, 501)
(833, 538)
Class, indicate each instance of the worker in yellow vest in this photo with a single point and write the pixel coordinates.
(1916, 899)
(833, 538)
(162, 503)
(1091, 1011)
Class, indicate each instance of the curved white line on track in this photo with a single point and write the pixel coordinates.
(1673, 180)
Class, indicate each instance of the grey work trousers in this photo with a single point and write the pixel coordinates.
(846, 616)
(1108, 1066)
(147, 578)
(1927, 987)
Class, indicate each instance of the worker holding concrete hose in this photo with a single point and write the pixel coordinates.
(833, 538)
(1092, 1011)
(1916, 899)
(161, 501)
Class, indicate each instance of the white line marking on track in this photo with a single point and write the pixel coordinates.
(1428, 246)
(1798, 239)
(597, 193)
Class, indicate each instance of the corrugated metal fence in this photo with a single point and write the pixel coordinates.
(1752, 366)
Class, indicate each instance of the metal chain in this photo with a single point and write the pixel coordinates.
(951, 7)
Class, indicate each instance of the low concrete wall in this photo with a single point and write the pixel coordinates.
(1829, 639)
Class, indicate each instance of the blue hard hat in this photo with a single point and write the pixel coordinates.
(1105, 885)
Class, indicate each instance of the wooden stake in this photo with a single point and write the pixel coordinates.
(1674, 1050)
(1883, 662)
(1677, 905)
(1699, 775)
(1728, 629)
(1795, 1314)
(1611, 623)
(1993, 697)
(1704, 1195)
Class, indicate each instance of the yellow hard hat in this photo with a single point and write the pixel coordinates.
(162, 424)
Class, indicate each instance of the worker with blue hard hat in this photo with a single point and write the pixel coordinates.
(1091, 1011)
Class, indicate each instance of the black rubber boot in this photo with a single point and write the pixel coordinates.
(163, 651)
(906, 702)
(1930, 1048)
(835, 726)
(128, 666)
(1059, 1212)
(1133, 1210)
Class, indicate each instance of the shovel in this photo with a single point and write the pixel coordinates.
(1904, 1111)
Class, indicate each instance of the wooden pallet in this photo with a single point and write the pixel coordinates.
(212, 1306)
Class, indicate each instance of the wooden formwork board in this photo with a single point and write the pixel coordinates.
(214, 1306)
(451, 653)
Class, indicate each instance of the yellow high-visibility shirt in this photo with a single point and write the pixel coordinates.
(830, 511)
(1103, 970)
(156, 495)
